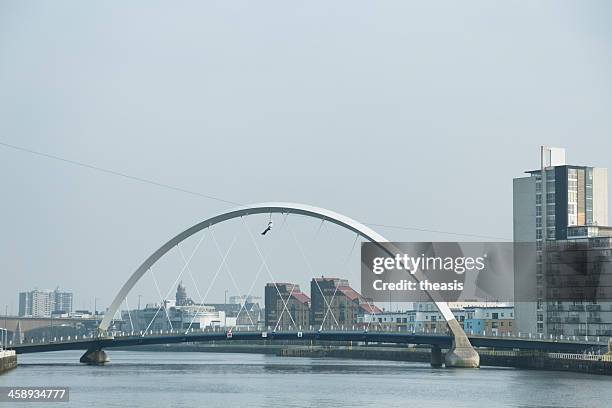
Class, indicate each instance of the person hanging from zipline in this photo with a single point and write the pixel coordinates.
(269, 227)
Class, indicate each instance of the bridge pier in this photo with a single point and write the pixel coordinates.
(462, 357)
(461, 354)
(95, 356)
(436, 356)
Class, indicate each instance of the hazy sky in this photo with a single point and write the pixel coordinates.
(391, 112)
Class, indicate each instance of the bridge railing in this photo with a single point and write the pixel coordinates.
(589, 357)
(564, 356)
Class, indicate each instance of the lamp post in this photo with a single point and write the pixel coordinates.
(5, 330)
(3, 338)
(225, 311)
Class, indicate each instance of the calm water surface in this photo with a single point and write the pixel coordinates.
(181, 379)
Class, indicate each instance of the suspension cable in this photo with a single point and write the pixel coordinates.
(259, 269)
(212, 234)
(162, 299)
(129, 314)
(177, 279)
(344, 266)
(267, 268)
(311, 270)
(211, 284)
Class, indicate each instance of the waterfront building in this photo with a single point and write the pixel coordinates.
(589, 251)
(183, 313)
(286, 305)
(157, 317)
(336, 303)
(488, 320)
(424, 318)
(556, 206)
(484, 320)
(247, 314)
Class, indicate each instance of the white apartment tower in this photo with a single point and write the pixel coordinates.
(559, 203)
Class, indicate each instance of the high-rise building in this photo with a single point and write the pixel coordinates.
(62, 301)
(286, 305)
(35, 303)
(554, 204)
(42, 303)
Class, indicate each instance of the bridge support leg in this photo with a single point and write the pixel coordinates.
(436, 356)
(94, 356)
(461, 354)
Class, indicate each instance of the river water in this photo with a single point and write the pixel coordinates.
(184, 379)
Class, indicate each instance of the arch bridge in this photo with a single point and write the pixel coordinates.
(462, 354)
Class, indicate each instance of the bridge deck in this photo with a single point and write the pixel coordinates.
(440, 340)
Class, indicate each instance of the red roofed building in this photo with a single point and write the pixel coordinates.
(286, 305)
(335, 303)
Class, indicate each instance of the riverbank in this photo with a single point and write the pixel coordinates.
(524, 360)
(8, 360)
(495, 358)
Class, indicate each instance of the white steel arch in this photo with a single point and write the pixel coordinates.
(268, 208)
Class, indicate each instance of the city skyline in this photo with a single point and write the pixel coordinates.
(88, 303)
